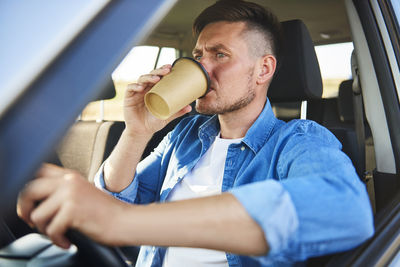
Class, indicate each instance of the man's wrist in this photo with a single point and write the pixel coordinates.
(135, 136)
(128, 235)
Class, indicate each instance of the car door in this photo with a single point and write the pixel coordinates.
(375, 31)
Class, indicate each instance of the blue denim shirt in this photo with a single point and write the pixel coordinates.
(292, 178)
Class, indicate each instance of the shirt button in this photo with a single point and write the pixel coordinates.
(242, 148)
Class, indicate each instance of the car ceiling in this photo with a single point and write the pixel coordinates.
(322, 17)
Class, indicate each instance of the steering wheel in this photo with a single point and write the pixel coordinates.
(95, 254)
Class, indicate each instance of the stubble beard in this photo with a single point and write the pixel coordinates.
(223, 108)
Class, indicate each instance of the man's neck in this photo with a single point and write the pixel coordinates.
(236, 124)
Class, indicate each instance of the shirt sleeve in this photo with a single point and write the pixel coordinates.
(316, 205)
(274, 212)
(148, 178)
(127, 195)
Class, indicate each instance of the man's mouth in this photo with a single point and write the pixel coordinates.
(209, 90)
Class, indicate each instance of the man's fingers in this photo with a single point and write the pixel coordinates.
(180, 113)
(161, 71)
(43, 213)
(148, 79)
(35, 191)
(24, 210)
(135, 88)
(50, 170)
(143, 84)
(58, 226)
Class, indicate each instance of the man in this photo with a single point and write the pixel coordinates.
(288, 192)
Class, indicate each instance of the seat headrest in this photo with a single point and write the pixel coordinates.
(299, 76)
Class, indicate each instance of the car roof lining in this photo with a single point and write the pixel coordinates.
(323, 18)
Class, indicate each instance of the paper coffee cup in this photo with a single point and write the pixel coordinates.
(187, 81)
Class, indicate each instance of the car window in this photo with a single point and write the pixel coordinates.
(395, 261)
(334, 62)
(22, 23)
(396, 8)
(140, 60)
(167, 56)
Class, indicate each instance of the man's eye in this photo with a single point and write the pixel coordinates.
(220, 55)
(197, 58)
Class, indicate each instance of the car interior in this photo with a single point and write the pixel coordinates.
(296, 92)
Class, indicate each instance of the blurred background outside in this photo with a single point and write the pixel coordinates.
(334, 63)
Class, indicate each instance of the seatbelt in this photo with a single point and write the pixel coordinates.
(358, 116)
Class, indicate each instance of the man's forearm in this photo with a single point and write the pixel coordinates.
(217, 222)
(119, 168)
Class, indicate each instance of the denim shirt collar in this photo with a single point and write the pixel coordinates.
(255, 137)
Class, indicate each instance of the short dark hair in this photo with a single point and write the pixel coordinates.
(256, 17)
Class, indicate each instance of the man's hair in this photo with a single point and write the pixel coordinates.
(256, 17)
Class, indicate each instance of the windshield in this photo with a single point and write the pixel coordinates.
(35, 33)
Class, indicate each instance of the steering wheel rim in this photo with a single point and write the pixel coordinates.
(94, 253)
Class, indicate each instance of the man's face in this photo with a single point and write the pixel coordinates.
(223, 51)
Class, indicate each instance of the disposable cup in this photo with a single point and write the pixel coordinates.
(187, 81)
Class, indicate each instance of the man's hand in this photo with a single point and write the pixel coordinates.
(120, 167)
(59, 199)
(139, 121)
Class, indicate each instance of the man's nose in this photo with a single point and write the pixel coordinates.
(206, 64)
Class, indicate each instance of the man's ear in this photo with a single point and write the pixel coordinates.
(267, 67)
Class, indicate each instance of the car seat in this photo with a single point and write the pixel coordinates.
(299, 79)
(87, 144)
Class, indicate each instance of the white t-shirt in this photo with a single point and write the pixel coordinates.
(204, 180)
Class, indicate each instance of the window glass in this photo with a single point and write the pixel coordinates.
(140, 60)
(396, 8)
(30, 42)
(396, 260)
(334, 62)
(167, 56)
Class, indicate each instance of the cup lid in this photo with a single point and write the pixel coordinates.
(201, 67)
